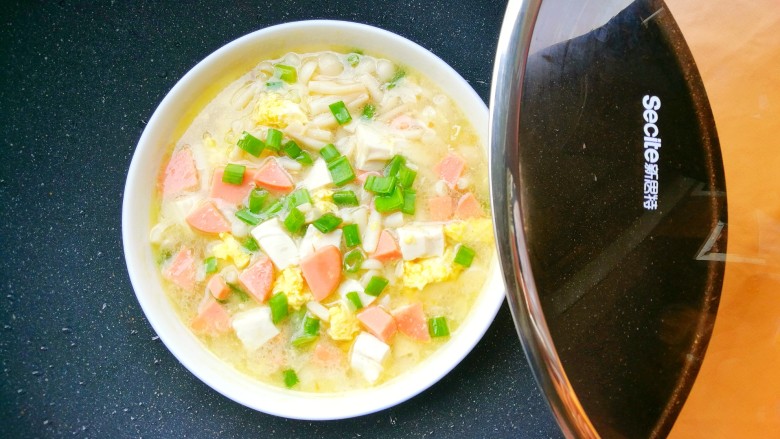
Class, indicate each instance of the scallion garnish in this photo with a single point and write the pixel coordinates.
(278, 304)
(311, 325)
(410, 198)
(340, 112)
(327, 223)
(251, 144)
(300, 196)
(248, 217)
(354, 300)
(292, 149)
(437, 327)
(257, 199)
(251, 245)
(394, 165)
(353, 260)
(353, 59)
(368, 111)
(210, 264)
(376, 285)
(273, 139)
(290, 378)
(304, 158)
(329, 153)
(273, 85)
(295, 220)
(406, 176)
(389, 203)
(345, 198)
(396, 77)
(286, 73)
(233, 174)
(241, 294)
(341, 171)
(351, 235)
(464, 256)
(379, 185)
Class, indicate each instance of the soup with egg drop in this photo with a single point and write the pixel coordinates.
(323, 222)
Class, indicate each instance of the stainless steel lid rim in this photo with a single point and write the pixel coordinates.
(523, 299)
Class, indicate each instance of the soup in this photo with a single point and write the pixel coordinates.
(323, 223)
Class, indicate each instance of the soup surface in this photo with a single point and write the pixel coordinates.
(323, 222)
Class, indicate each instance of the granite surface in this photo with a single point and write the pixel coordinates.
(77, 356)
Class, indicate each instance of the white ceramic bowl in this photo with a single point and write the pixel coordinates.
(221, 67)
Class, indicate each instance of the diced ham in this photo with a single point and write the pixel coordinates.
(273, 177)
(180, 173)
(326, 354)
(258, 278)
(218, 287)
(411, 321)
(212, 318)
(387, 249)
(403, 122)
(232, 193)
(207, 218)
(322, 271)
(450, 169)
(181, 271)
(468, 207)
(440, 208)
(378, 322)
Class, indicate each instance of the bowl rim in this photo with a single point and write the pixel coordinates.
(187, 349)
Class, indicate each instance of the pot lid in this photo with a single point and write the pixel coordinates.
(610, 205)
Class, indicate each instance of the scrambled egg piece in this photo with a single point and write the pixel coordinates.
(343, 324)
(479, 230)
(421, 272)
(216, 154)
(274, 111)
(229, 248)
(290, 282)
(322, 200)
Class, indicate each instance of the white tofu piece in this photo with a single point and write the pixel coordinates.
(421, 241)
(319, 310)
(351, 285)
(314, 240)
(276, 243)
(355, 215)
(394, 220)
(373, 148)
(373, 229)
(254, 327)
(368, 354)
(318, 177)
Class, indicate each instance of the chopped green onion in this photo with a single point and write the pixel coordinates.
(410, 198)
(396, 77)
(340, 112)
(295, 220)
(210, 264)
(437, 327)
(278, 304)
(376, 285)
(273, 139)
(290, 378)
(273, 209)
(308, 331)
(304, 158)
(303, 340)
(341, 171)
(353, 59)
(241, 294)
(464, 256)
(251, 144)
(389, 203)
(327, 223)
(273, 85)
(354, 300)
(379, 185)
(248, 217)
(353, 260)
(329, 153)
(292, 149)
(257, 199)
(233, 174)
(251, 245)
(286, 73)
(311, 325)
(394, 165)
(406, 176)
(300, 196)
(368, 111)
(351, 235)
(345, 198)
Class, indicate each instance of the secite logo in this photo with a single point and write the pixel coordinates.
(652, 144)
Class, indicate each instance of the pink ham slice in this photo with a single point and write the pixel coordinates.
(450, 168)
(180, 174)
(181, 270)
(440, 208)
(258, 278)
(232, 193)
(378, 322)
(468, 207)
(207, 218)
(387, 249)
(212, 318)
(411, 322)
(273, 177)
(322, 271)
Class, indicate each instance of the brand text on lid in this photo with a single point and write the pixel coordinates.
(652, 144)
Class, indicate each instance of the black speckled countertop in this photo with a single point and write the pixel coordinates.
(77, 356)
